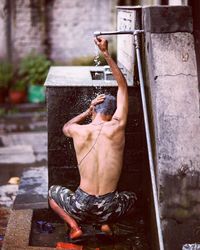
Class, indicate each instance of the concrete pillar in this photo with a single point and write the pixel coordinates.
(195, 13)
(171, 77)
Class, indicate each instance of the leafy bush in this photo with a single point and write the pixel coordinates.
(19, 85)
(6, 74)
(34, 68)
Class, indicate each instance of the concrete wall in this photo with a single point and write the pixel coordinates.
(174, 98)
(27, 32)
(3, 16)
(63, 29)
(73, 23)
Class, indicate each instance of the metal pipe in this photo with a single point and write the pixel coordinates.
(149, 147)
(146, 122)
(118, 32)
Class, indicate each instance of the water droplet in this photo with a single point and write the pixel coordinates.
(97, 61)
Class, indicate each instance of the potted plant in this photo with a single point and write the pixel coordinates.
(34, 69)
(6, 75)
(17, 92)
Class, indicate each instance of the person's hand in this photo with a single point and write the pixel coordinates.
(97, 100)
(101, 43)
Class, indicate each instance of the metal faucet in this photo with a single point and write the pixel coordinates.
(118, 32)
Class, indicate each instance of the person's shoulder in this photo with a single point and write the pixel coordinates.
(83, 127)
(117, 123)
(113, 127)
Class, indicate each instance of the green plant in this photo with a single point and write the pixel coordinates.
(2, 112)
(19, 85)
(6, 74)
(34, 68)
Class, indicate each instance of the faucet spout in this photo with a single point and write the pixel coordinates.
(118, 32)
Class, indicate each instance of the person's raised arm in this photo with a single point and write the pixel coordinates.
(122, 93)
(72, 126)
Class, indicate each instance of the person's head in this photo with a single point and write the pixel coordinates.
(107, 107)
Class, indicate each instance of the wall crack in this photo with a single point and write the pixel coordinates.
(155, 77)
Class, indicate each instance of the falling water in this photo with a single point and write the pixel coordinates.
(97, 61)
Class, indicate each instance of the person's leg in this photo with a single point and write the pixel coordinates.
(126, 204)
(75, 231)
(103, 212)
(121, 205)
(106, 229)
(58, 199)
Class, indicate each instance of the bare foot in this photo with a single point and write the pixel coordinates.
(75, 233)
(106, 229)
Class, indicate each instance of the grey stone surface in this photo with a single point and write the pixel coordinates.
(8, 193)
(33, 189)
(176, 100)
(3, 49)
(74, 23)
(34, 142)
(75, 76)
(174, 108)
(173, 54)
(28, 30)
(18, 229)
(19, 154)
(18, 232)
(170, 19)
(23, 118)
(43, 27)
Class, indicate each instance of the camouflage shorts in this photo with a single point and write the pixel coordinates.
(90, 208)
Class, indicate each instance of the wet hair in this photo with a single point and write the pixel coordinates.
(107, 107)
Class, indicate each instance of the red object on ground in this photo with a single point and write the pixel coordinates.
(63, 245)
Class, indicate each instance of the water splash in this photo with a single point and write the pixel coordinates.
(97, 61)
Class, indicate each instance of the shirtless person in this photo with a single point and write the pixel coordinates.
(99, 149)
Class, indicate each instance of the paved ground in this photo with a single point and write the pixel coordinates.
(23, 154)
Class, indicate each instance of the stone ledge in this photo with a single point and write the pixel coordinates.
(18, 154)
(18, 232)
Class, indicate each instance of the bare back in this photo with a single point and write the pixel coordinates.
(99, 151)
(99, 148)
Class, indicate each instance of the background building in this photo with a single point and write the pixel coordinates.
(61, 29)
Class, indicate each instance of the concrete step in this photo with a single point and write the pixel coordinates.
(35, 141)
(24, 117)
(17, 154)
(33, 189)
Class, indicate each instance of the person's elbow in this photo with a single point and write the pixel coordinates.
(66, 130)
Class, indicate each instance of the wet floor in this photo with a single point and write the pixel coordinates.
(127, 235)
